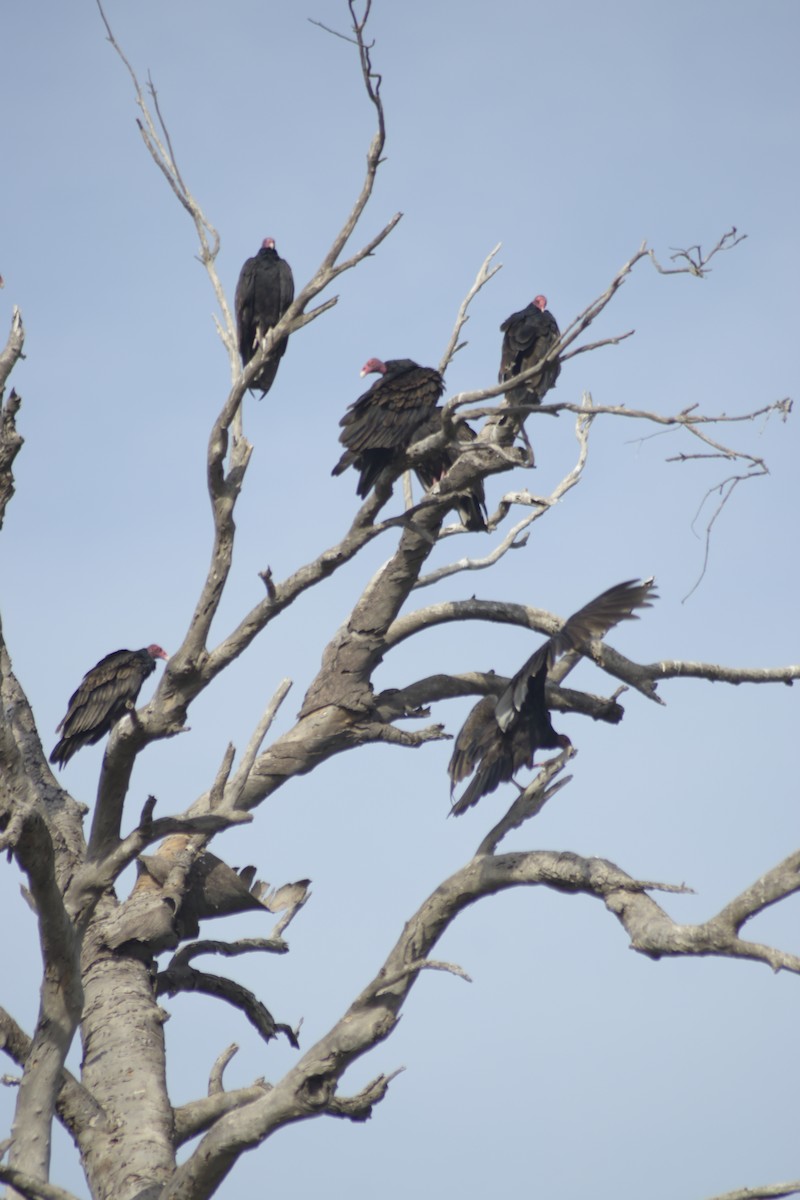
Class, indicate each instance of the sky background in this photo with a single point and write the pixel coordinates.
(569, 133)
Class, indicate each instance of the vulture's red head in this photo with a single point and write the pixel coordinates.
(268, 244)
(156, 652)
(373, 366)
(539, 301)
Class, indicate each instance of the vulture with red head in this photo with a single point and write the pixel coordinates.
(106, 694)
(528, 335)
(264, 292)
(380, 425)
(502, 734)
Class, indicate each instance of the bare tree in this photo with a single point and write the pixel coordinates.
(107, 963)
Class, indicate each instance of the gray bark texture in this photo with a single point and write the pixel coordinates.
(102, 972)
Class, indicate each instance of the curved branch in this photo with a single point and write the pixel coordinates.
(309, 1089)
(215, 1084)
(187, 979)
(31, 1188)
(192, 950)
(643, 677)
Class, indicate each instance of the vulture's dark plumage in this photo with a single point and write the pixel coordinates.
(106, 694)
(264, 292)
(380, 425)
(528, 335)
(471, 505)
(502, 734)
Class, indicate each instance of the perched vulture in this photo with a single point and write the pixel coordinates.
(380, 425)
(528, 335)
(264, 292)
(501, 735)
(471, 505)
(106, 694)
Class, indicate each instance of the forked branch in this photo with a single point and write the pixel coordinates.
(310, 1088)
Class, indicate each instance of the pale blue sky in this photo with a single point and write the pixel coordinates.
(568, 132)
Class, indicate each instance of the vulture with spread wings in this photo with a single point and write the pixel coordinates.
(264, 292)
(528, 335)
(502, 734)
(105, 695)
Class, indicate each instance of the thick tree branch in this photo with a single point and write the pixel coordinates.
(12, 351)
(642, 677)
(10, 440)
(31, 1187)
(10, 445)
(310, 1088)
(783, 880)
(412, 700)
(199, 1115)
(76, 1107)
(768, 1191)
(26, 834)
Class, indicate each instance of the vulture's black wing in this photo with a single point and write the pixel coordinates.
(471, 505)
(480, 744)
(501, 736)
(528, 335)
(592, 621)
(383, 422)
(264, 292)
(105, 694)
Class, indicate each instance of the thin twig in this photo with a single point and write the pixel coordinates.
(481, 279)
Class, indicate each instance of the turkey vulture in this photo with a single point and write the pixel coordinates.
(264, 292)
(529, 334)
(106, 694)
(472, 504)
(380, 425)
(501, 735)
